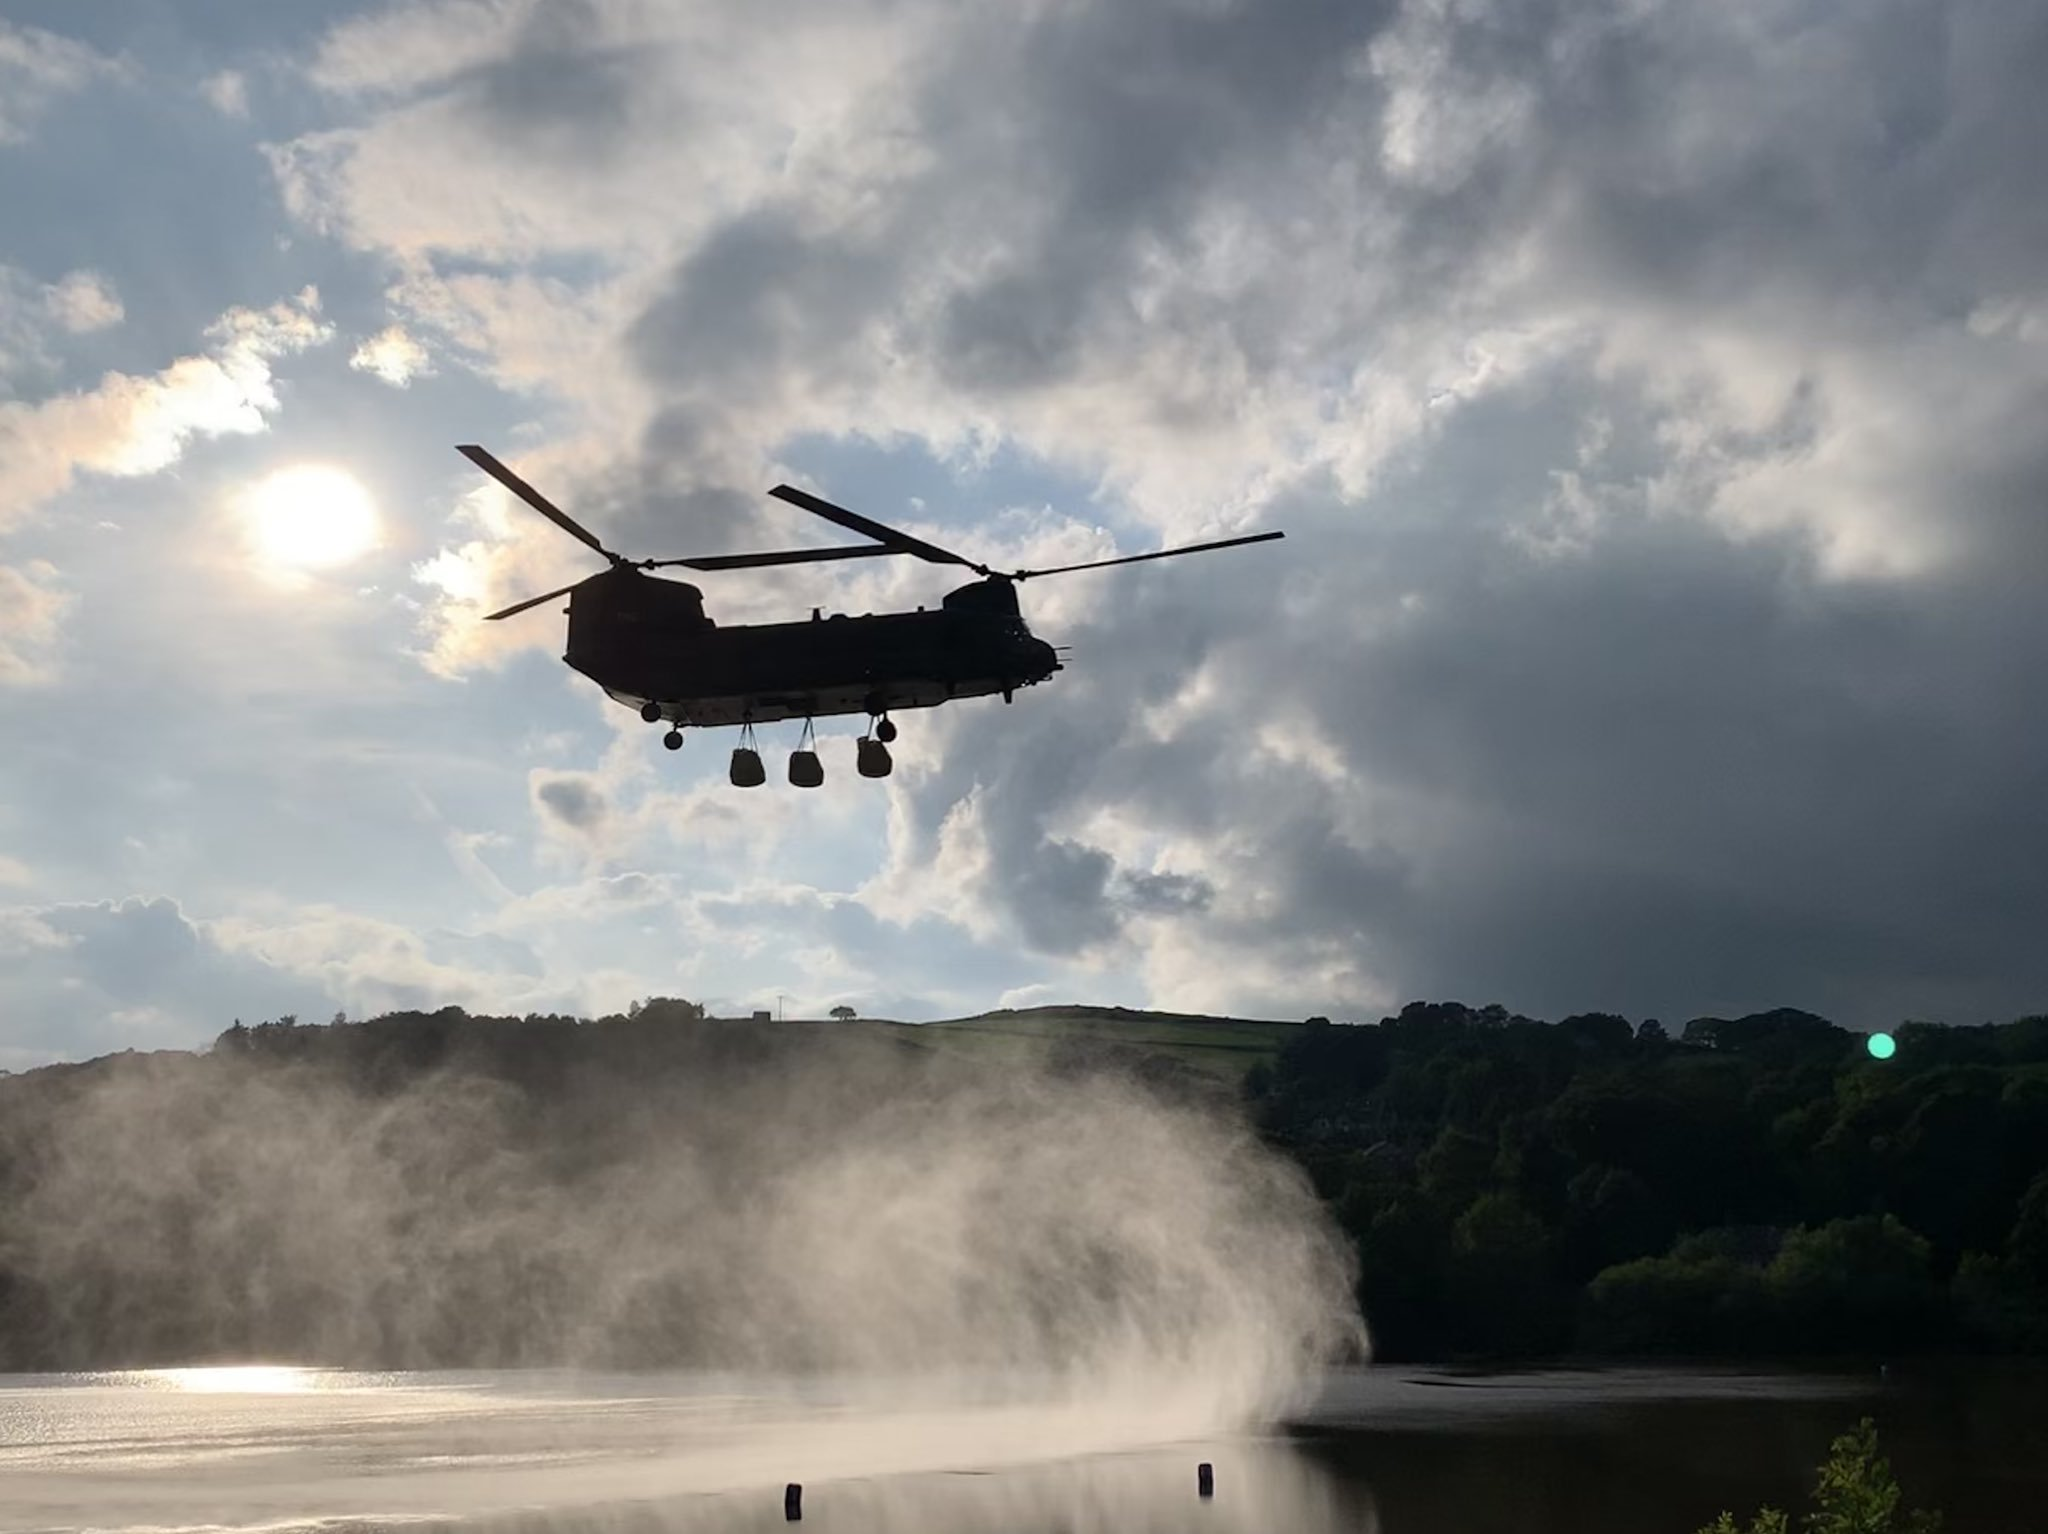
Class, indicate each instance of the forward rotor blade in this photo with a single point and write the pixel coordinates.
(785, 557)
(520, 607)
(853, 521)
(1132, 559)
(533, 498)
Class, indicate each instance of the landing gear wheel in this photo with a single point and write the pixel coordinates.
(651, 712)
(885, 731)
(673, 740)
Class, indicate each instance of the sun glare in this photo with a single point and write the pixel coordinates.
(239, 1379)
(310, 517)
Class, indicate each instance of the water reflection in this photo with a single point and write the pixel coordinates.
(278, 1447)
(1261, 1488)
(238, 1379)
(1387, 1451)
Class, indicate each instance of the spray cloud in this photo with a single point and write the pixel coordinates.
(662, 1194)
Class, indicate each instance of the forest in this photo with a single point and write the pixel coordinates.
(1755, 1186)
(438, 1187)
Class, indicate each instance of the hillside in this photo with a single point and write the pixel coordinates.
(1221, 1048)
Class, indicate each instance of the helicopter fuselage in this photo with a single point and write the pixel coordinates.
(647, 641)
(650, 645)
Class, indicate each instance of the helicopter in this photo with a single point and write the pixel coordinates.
(649, 644)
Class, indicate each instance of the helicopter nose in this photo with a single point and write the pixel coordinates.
(1044, 659)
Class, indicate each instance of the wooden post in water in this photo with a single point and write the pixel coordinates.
(1205, 1479)
(793, 1502)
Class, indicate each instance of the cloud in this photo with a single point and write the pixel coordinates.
(129, 974)
(31, 313)
(128, 426)
(1646, 393)
(570, 800)
(32, 609)
(83, 301)
(227, 92)
(38, 67)
(406, 48)
(369, 965)
(393, 356)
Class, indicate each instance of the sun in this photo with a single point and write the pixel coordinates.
(310, 517)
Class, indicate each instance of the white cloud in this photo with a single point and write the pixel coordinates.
(369, 965)
(128, 425)
(392, 355)
(559, 88)
(83, 301)
(37, 67)
(23, 930)
(31, 313)
(406, 48)
(24, 327)
(32, 608)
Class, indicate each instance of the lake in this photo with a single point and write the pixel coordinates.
(1381, 1451)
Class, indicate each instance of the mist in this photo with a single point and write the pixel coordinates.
(710, 1196)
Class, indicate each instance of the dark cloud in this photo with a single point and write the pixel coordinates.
(1658, 765)
(1163, 894)
(573, 799)
(556, 94)
(760, 294)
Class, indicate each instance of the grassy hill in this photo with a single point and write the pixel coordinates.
(1223, 1048)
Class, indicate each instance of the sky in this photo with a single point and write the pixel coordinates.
(1651, 394)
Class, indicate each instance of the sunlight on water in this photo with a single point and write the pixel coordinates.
(277, 1447)
(238, 1379)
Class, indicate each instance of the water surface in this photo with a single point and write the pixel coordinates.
(1383, 1451)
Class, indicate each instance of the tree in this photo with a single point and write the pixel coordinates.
(1852, 1281)
(666, 1009)
(844, 1014)
(1455, 1170)
(1856, 1494)
(1598, 1031)
(1500, 1276)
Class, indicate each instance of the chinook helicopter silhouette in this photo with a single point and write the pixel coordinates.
(650, 645)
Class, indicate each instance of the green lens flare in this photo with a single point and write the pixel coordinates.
(1882, 1046)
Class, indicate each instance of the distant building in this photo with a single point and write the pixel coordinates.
(764, 1016)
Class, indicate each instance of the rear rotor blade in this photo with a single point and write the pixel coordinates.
(785, 557)
(1132, 559)
(853, 521)
(520, 607)
(533, 498)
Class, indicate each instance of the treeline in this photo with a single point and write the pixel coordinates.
(1756, 1185)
